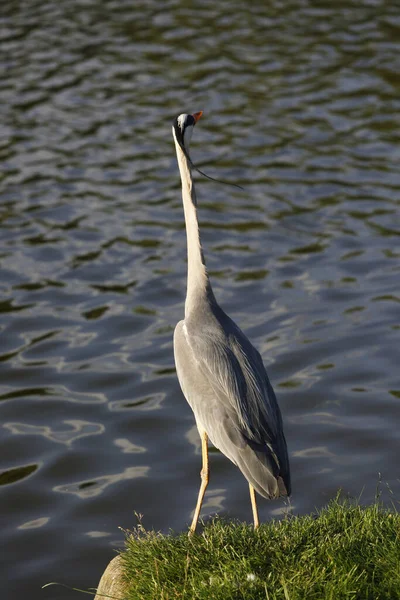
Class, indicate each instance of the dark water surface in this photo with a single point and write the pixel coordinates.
(301, 103)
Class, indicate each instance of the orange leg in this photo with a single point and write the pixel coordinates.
(254, 506)
(204, 474)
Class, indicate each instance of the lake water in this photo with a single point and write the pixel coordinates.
(301, 102)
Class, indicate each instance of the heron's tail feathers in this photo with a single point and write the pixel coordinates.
(263, 473)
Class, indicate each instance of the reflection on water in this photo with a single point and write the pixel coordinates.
(301, 104)
(13, 475)
(87, 489)
(77, 429)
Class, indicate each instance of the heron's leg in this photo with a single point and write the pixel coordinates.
(254, 506)
(204, 481)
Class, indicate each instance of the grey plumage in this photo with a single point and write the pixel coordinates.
(221, 374)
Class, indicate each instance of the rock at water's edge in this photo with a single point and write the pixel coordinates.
(111, 583)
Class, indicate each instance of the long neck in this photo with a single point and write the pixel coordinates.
(198, 283)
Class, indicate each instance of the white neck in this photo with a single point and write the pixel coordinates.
(198, 283)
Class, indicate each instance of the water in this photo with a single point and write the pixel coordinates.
(301, 104)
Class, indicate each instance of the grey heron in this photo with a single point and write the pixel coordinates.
(221, 374)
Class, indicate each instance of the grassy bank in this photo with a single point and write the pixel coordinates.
(345, 551)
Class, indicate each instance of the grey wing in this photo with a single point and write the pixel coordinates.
(228, 388)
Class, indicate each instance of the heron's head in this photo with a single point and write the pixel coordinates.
(183, 129)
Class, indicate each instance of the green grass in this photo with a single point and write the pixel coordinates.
(344, 551)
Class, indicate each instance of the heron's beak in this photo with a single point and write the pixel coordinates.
(196, 116)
